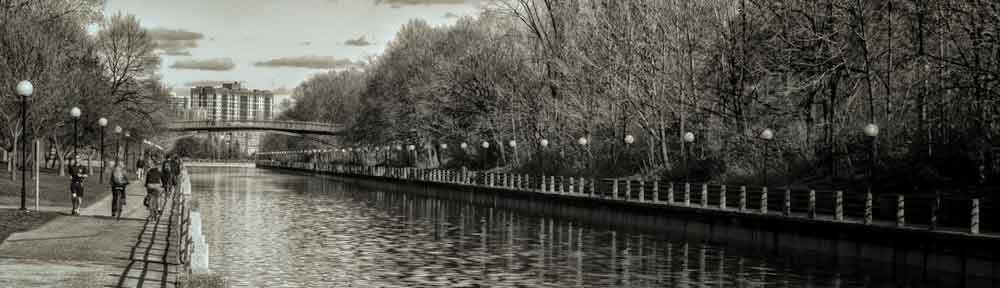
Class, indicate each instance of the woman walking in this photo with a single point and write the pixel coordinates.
(119, 181)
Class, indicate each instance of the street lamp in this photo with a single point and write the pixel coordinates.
(688, 138)
(629, 139)
(767, 135)
(75, 112)
(118, 141)
(513, 146)
(128, 135)
(103, 122)
(871, 130)
(583, 141)
(482, 156)
(24, 88)
(413, 149)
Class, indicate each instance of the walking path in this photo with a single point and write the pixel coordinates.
(95, 250)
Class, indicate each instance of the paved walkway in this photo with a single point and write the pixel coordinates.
(94, 250)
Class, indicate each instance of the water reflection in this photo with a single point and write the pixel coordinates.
(268, 229)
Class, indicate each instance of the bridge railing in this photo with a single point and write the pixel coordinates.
(936, 212)
(268, 124)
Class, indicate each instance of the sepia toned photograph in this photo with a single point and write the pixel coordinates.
(500, 143)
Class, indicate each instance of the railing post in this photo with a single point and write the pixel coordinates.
(788, 202)
(628, 189)
(656, 191)
(687, 194)
(543, 184)
(812, 204)
(763, 200)
(900, 210)
(839, 209)
(670, 194)
(562, 184)
(868, 208)
(583, 186)
(552, 184)
(593, 192)
(722, 196)
(642, 190)
(974, 224)
(743, 198)
(935, 208)
(704, 195)
(572, 186)
(614, 188)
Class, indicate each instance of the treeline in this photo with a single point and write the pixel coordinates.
(109, 73)
(815, 72)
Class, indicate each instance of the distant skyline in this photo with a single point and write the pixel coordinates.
(274, 44)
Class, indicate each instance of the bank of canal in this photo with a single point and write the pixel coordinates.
(272, 228)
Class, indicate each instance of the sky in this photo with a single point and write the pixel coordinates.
(274, 44)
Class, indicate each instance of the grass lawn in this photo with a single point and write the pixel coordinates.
(54, 189)
(13, 221)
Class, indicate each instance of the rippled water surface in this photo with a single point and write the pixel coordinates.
(269, 229)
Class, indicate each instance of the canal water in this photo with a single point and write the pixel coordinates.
(273, 229)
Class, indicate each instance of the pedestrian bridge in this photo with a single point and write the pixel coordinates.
(296, 127)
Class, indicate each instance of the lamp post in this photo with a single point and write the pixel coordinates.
(629, 139)
(75, 113)
(688, 138)
(545, 153)
(118, 142)
(24, 88)
(583, 141)
(767, 135)
(103, 122)
(413, 150)
(513, 146)
(871, 130)
(486, 147)
(128, 135)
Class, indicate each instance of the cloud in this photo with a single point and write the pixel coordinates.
(214, 64)
(174, 35)
(360, 41)
(212, 83)
(175, 42)
(177, 53)
(314, 62)
(450, 15)
(399, 3)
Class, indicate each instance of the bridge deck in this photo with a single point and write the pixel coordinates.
(299, 127)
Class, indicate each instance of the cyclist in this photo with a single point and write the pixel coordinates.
(119, 180)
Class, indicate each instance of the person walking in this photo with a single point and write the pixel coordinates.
(154, 187)
(119, 181)
(140, 167)
(167, 174)
(77, 174)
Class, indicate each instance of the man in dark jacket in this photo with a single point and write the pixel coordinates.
(77, 174)
(154, 187)
(167, 174)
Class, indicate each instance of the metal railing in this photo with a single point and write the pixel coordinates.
(941, 213)
(184, 227)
